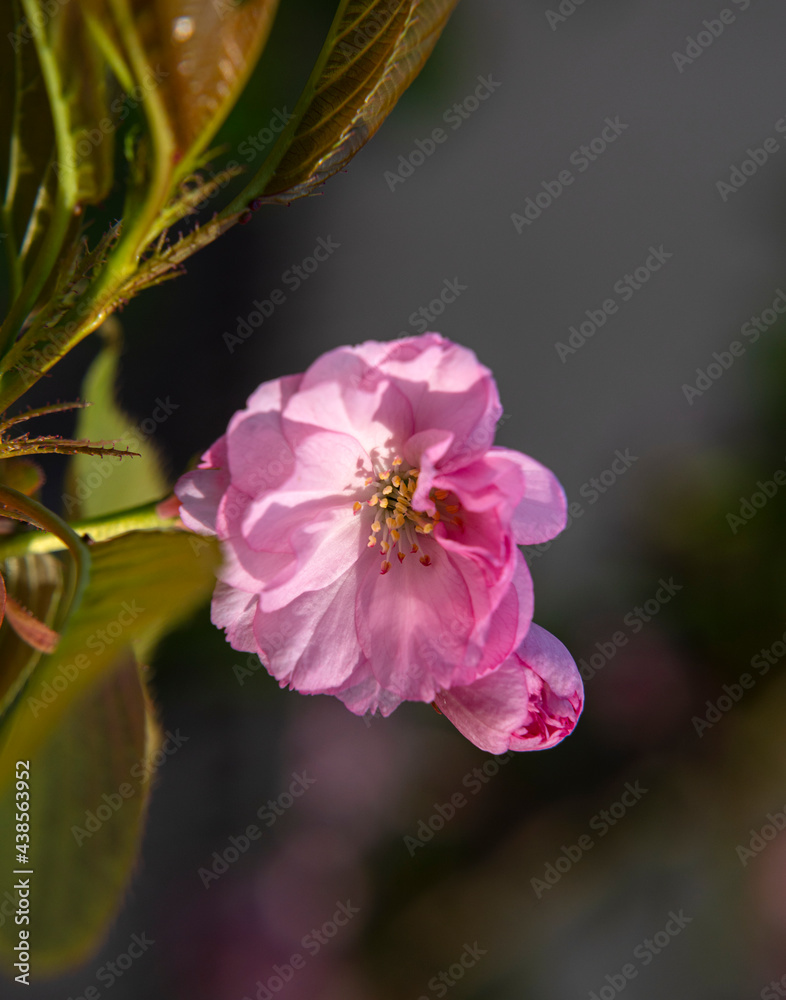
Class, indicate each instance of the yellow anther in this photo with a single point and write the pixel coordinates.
(451, 508)
(394, 495)
(356, 506)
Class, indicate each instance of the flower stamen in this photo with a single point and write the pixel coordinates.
(393, 493)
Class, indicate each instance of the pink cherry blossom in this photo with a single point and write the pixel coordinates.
(530, 702)
(371, 532)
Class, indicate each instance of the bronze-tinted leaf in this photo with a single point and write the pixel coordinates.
(374, 50)
(200, 53)
(37, 582)
(30, 629)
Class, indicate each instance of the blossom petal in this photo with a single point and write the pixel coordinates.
(335, 395)
(234, 610)
(507, 626)
(311, 644)
(542, 512)
(530, 702)
(260, 457)
(200, 491)
(364, 694)
(414, 623)
(445, 385)
(272, 397)
(311, 517)
(324, 547)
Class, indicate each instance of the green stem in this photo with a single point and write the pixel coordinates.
(124, 259)
(99, 529)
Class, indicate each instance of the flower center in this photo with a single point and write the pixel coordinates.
(397, 524)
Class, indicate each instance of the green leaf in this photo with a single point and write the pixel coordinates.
(97, 761)
(97, 486)
(141, 585)
(83, 75)
(374, 50)
(83, 721)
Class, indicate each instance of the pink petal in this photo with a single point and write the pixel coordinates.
(272, 397)
(414, 623)
(311, 516)
(245, 569)
(542, 512)
(531, 702)
(234, 610)
(200, 491)
(363, 694)
(326, 542)
(260, 457)
(448, 388)
(445, 385)
(311, 644)
(335, 396)
(505, 630)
